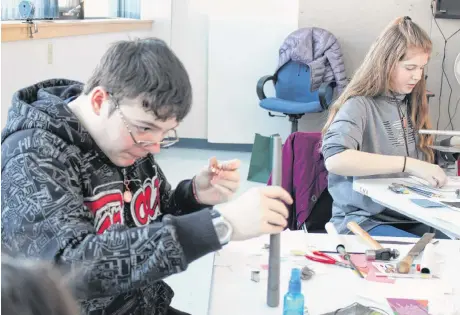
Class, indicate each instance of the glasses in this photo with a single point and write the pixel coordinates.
(169, 140)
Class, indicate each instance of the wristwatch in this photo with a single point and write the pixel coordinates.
(223, 228)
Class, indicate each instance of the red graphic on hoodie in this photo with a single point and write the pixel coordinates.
(145, 204)
(107, 208)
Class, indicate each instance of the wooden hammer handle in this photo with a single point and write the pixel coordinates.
(405, 264)
(357, 230)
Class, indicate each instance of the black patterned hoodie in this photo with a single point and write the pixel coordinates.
(62, 202)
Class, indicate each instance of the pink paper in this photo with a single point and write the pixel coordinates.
(371, 276)
(368, 270)
(408, 306)
(359, 260)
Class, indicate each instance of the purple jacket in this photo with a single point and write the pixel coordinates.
(320, 50)
(304, 175)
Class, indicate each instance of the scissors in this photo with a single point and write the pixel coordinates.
(326, 259)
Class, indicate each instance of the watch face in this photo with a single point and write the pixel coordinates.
(222, 230)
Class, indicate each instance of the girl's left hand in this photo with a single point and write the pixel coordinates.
(218, 182)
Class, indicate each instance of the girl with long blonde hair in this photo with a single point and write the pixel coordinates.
(372, 129)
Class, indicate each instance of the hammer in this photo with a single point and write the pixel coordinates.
(377, 252)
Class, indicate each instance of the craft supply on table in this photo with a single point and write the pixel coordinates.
(389, 270)
(405, 264)
(418, 189)
(307, 273)
(377, 252)
(368, 270)
(426, 203)
(399, 189)
(428, 259)
(340, 246)
(381, 254)
(325, 259)
(255, 275)
(408, 306)
(357, 309)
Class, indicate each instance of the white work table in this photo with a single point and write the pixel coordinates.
(332, 287)
(445, 220)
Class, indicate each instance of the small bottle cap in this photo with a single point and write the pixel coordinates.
(294, 283)
(295, 274)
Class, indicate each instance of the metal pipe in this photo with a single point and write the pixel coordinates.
(273, 288)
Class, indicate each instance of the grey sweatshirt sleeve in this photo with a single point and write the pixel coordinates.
(44, 217)
(346, 131)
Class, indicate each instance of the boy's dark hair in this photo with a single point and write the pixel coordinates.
(31, 287)
(148, 69)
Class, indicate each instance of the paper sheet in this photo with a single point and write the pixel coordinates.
(408, 306)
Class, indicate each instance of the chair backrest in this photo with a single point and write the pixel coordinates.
(293, 83)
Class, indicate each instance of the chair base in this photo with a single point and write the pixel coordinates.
(294, 119)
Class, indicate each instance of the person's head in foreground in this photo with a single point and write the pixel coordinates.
(395, 65)
(31, 287)
(134, 100)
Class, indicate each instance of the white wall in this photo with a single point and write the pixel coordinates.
(190, 42)
(244, 38)
(357, 23)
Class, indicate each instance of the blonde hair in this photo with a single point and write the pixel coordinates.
(373, 76)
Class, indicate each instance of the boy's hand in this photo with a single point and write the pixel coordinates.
(257, 212)
(218, 182)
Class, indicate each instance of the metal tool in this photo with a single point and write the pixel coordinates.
(330, 229)
(378, 252)
(381, 254)
(326, 259)
(273, 287)
(405, 264)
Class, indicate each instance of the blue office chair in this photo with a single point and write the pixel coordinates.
(293, 95)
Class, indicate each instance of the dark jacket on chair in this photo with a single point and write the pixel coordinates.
(304, 175)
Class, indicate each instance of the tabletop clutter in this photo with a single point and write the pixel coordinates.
(378, 263)
(384, 264)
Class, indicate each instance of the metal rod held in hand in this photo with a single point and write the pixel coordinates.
(273, 288)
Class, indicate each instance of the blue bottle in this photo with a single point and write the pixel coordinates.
(294, 300)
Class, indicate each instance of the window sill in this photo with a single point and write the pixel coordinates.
(17, 31)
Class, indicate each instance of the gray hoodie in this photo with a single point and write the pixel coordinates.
(371, 125)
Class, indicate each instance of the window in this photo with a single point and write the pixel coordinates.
(73, 9)
(64, 18)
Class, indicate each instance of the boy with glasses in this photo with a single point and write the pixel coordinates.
(81, 188)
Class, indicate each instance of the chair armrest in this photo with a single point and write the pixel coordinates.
(261, 83)
(322, 92)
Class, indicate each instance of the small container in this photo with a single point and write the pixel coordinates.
(294, 302)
